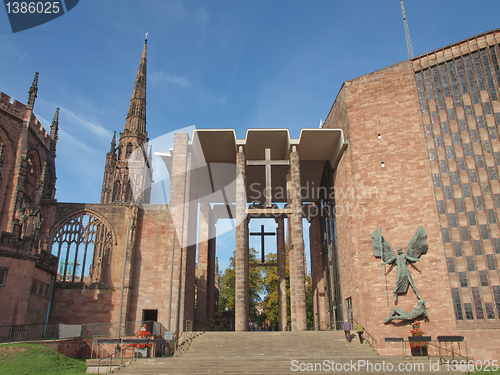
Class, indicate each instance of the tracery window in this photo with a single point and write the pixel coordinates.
(83, 246)
(117, 191)
(1, 160)
(129, 197)
(129, 150)
(32, 176)
(3, 275)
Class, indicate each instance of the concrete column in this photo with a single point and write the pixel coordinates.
(241, 259)
(289, 204)
(211, 271)
(281, 275)
(202, 273)
(178, 211)
(189, 278)
(318, 287)
(184, 215)
(247, 270)
(289, 241)
(297, 271)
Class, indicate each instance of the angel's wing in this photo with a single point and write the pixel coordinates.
(418, 244)
(381, 248)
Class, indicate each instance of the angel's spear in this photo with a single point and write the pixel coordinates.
(383, 260)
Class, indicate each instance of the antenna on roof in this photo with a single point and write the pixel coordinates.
(407, 32)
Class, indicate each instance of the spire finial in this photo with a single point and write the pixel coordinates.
(54, 128)
(33, 91)
(113, 143)
(146, 40)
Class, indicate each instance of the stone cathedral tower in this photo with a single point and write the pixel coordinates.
(27, 205)
(32, 179)
(128, 174)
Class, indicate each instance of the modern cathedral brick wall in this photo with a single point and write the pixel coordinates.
(409, 128)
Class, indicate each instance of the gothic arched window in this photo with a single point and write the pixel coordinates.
(129, 197)
(82, 244)
(1, 160)
(117, 191)
(129, 150)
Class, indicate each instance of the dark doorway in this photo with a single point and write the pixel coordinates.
(149, 316)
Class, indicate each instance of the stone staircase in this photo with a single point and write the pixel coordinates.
(276, 353)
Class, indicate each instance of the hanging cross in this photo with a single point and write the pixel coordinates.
(262, 235)
(268, 163)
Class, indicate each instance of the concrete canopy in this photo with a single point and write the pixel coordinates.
(214, 156)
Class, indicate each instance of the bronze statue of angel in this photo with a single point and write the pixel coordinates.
(418, 311)
(416, 248)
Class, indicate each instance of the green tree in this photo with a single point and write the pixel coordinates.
(227, 286)
(309, 300)
(270, 304)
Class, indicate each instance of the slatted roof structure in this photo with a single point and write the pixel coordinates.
(214, 157)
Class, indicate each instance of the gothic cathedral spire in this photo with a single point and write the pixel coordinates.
(126, 179)
(136, 117)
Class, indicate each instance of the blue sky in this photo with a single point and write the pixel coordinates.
(212, 64)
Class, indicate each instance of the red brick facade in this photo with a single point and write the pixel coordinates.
(387, 179)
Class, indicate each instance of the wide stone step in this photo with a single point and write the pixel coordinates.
(272, 367)
(276, 353)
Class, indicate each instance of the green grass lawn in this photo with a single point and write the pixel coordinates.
(490, 372)
(27, 359)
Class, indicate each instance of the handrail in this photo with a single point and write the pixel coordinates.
(436, 345)
(57, 331)
(133, 343)
(114, 354)
(372, 342)
(452, 352)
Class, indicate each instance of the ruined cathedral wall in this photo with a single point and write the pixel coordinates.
(390, 185)
(25, 294)
(152, 267)
(38, 297)
(11, 122)
(97, 301)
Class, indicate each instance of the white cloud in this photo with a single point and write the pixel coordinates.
(209, 98)
(67, 115)
(68, 137)
(162, 76)
(196, 91)
(10, 49)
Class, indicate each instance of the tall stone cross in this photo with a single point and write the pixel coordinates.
(268, 163)
(262, 235)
